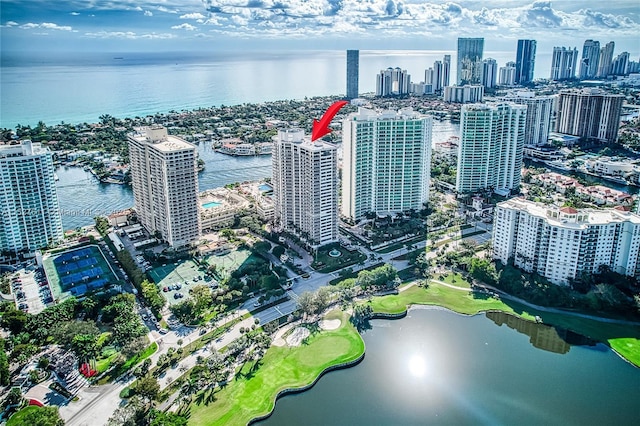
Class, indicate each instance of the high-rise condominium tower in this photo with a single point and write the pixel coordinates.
(489, 73)
(28, 199)
(525, 61)
(470, 60)
(507, 75)
(392, 82)
(539, 109)
(606, 57)
(590, 59)
(563, 63)
(305, 187)
(491, 147)
(353, 70)
(589, 113)
(566, 243)
(164, 178)
(387, 157)
(437, 77)
(446, 70)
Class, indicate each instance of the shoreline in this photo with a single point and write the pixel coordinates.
(397, 316)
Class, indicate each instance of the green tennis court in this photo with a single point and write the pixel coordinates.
(229, 262)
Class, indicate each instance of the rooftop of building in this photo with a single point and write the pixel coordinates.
(298, 137)
(158, 138)
(24, 148)
(366, 114)
(569, 217)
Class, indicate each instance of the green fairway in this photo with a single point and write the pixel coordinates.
(253, 393)
(463, 302)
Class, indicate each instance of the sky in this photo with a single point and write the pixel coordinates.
(197, 25)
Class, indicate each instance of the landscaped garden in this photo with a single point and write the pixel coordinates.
(332, 257)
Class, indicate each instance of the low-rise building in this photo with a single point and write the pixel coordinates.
(218, 208)
(561, 244)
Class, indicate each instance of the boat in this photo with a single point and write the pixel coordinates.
(557, 165)
(55, 177)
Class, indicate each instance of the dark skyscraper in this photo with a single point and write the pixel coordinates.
(525, 61)
(353, 59)
(469, 69)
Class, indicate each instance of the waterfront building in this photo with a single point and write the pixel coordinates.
(392, 82)
(539, 111)
(525, 61)
(28, 198)
(590, 59)
(305, 187)
(489, 73)
(353, 73)
(507, 75)
(469, 69)
(164, 179)
(420, 89)
(386, 162)
(606, 58)
(563, 63)
(491, 147)
(463, 94)
(446, 71)
(562, 244)
(620, 65)
(589, 113)
(437, 76)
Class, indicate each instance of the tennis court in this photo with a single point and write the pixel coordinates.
(74, 272)
(229, 262)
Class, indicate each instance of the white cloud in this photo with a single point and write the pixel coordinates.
(46, 25)
(148, 13)
(74, 13)
(165, 10)
(193, 16)
(11, 24)
(128, 35)
(184, 26)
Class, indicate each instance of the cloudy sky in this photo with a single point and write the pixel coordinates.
(129, 25)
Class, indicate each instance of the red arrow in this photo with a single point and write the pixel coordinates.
(321, 128)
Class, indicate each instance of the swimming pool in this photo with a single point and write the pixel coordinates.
(265, 187)
(211, 204)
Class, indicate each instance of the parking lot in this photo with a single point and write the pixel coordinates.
(177, 278)
(31, 290)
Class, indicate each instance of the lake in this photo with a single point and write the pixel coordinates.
(438, 367)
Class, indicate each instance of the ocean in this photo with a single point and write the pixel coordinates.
(80, 87)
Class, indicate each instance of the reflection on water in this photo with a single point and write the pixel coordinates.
(542, 336)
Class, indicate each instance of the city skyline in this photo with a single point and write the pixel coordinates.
(163, 25)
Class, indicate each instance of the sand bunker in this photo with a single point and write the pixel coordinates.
(297, 336)
(329, 324)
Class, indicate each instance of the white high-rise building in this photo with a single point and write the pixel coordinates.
(590, 59)
(392, 82)
(539, 110)
(489, 73)
(446, 71)
(164, 178)
(30, 218)
(606, 58)
(305, 187)
(563, 63)
(491, 147)
(386, 162)
(563, 243)
(507, 75)
(463, 94)
(437, 76)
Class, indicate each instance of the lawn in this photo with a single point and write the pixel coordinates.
(120, 369)
(252, 393)
(18, 419)
(459, 301)
(454, 278)
(324, 263)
